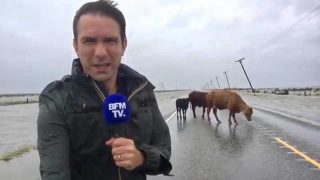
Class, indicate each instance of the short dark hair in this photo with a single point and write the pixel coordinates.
(106, 8)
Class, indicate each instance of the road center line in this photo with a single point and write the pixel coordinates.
(168, 119)
(307, 158)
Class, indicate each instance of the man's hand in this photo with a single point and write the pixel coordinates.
(125, 153)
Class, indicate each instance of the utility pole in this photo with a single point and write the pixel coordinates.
(207, 86)
(225, 73)
(240, 61)
(212, 84)
(218, 82)
(163, 86)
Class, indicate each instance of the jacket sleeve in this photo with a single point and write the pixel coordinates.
(157, 153)
(53, 140)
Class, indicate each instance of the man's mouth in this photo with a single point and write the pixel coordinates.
(101, 66)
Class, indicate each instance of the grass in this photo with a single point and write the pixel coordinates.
(10, 155)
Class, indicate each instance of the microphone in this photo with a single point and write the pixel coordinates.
(116, 110)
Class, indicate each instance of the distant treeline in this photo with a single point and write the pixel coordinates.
(308, 91)
(275, 89)
(171, 90)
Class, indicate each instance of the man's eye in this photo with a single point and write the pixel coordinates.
(88, 41)
(112, 41)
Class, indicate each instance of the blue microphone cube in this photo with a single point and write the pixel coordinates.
(116, 109)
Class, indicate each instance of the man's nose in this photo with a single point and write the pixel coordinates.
(101, 51)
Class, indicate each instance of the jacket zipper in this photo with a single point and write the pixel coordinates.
(101, 95)
(137, 90)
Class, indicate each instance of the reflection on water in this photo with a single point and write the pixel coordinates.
(232, 139)
(232, 131)
(181, 124)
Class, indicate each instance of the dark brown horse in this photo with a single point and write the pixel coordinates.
(182, 105)
(198, 98)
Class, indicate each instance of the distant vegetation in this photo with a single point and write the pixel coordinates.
(308, 91)
(171, 90)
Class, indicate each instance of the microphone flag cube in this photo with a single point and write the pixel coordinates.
(116, 109)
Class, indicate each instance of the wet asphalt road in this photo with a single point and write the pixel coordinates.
(248, 151)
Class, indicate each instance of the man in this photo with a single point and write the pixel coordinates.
(74, 141)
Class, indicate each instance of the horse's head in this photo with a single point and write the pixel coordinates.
(248, 113)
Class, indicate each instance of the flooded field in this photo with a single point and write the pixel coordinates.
(18, 130)
(18, 122)
(18, 126)
(21, 99)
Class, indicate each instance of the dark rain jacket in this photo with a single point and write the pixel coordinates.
(72, 130)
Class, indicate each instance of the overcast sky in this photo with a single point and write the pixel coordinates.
(181, 43)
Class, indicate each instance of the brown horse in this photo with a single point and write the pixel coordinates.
(223, 99)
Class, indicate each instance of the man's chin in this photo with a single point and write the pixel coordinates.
(101, 78)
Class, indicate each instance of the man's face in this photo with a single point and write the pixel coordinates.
(99, 46)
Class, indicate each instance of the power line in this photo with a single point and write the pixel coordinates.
(314, 15)
(277, 37)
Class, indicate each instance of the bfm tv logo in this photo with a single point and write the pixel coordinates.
(117, 109)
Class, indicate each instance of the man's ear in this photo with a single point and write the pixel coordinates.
(75, 47)
(124, 45)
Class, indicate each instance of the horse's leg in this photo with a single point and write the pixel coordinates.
(182, 113)
(193, 110)
(203, 110)
(230, 114)
(234, 118)
(214, 111)
(177, 113)
(208, 113)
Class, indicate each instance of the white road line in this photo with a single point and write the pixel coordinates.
(301, 160)
(314, 169)
(168, 119)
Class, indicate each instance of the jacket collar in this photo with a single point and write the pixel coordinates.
(130, 78)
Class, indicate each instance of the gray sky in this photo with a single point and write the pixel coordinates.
(183, 44)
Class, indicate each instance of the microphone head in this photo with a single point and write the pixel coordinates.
(116, 109)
